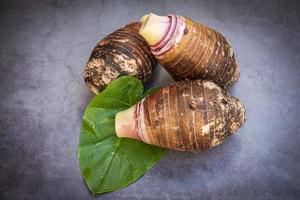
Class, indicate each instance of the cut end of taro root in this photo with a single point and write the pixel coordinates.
(144, 18)
(126, 124)
(154, 28)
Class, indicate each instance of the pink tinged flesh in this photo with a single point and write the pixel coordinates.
(171, 32)
(130, 123)
(126, 123)
(154, 28)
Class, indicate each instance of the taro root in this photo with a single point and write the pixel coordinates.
(123, 52)
(187, 49)
(188, 115)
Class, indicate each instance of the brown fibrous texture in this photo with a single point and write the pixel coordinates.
(202, 53)
(123, 52)
(188, 116)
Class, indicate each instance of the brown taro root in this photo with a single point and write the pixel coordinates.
(187, 49)
(123, 52)
(187, 116)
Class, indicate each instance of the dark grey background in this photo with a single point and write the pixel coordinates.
(44, 46)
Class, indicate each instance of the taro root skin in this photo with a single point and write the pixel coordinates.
(123, 52)
(187, 116)
(195, 51)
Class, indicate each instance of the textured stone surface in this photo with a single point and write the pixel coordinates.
(44, 48)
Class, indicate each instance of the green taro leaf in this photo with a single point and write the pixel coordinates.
(106, 162)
